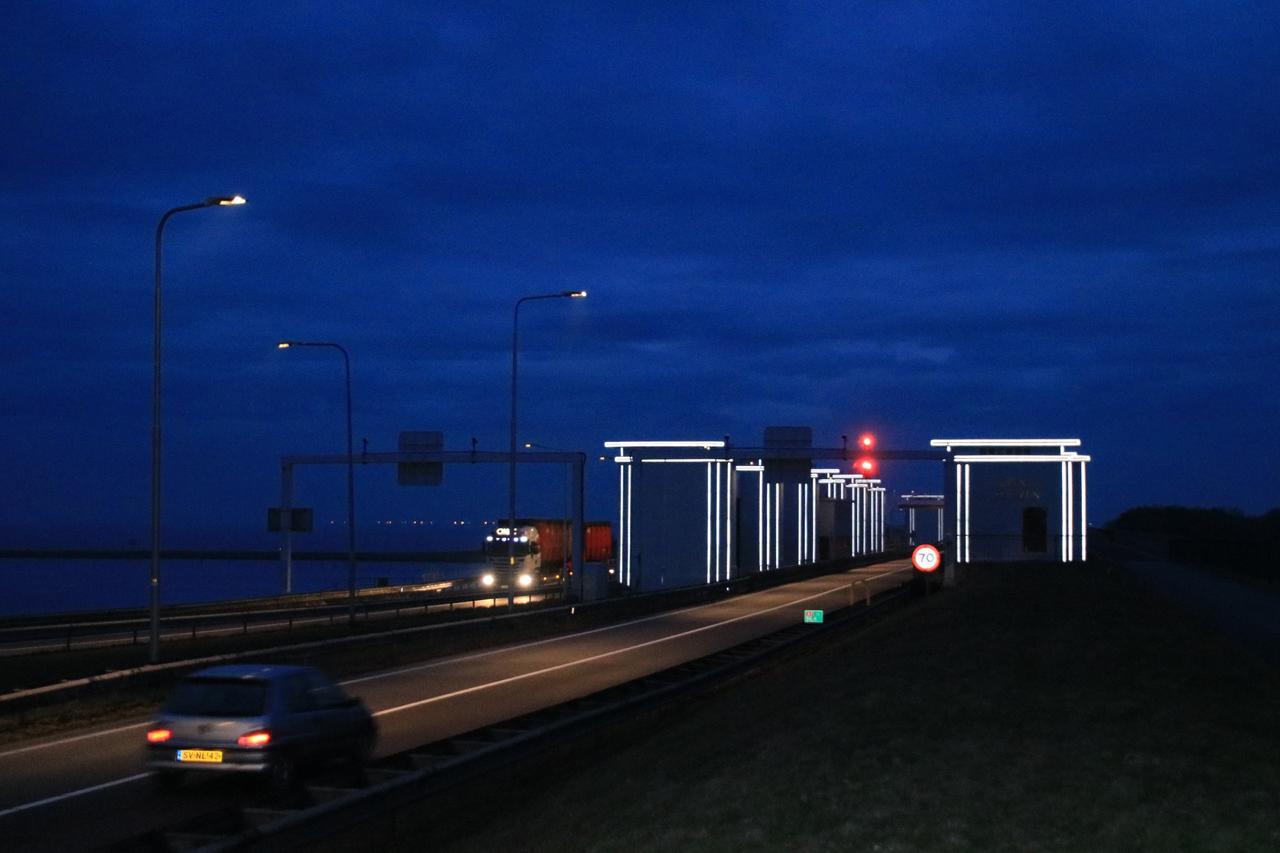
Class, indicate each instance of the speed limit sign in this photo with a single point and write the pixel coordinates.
(926, 558)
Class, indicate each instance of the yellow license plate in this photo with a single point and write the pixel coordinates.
(201, 756)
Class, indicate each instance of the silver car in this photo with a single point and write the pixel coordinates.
(257, 718)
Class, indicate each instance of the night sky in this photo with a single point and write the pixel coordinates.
(931, 219)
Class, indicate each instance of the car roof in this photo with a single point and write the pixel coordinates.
(250, 671)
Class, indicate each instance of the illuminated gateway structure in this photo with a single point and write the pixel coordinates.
(702, 511)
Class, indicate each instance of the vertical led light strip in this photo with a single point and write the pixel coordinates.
(871, 519)
(715, 550)
(880, 503)
(630, 546)
(717, 465)
(879, 520)
(853, 520)
(804, 528)
(766, 522)
(623, 543)
(814, 496)
(862, 518)
(1071, 513)
(777, 525)
(875, 530)
(728, 520)
(805, 497)
(813, 523)
(760, 521)
(708, 505)
(1062, 511)
(1084, 517)
(799, 524)
(959, 508)
(869, 533)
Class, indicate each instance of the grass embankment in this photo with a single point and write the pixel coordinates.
(1033, 708)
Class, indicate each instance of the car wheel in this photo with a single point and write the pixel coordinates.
(164, 781)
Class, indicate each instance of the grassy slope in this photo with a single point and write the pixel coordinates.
(1034, 708)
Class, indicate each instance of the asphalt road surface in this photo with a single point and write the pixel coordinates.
(87, 789)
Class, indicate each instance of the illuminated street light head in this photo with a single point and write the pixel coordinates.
(288, 344)
(575, 294)
(224, 200)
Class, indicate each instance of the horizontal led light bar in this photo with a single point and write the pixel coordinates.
(1027, 457)
(706, 444)
(1005, 442)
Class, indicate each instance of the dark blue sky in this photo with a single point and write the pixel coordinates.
(932, 219)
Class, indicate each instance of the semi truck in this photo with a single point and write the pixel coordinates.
(538, 552)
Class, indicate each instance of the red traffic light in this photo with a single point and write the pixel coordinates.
(865, 466)
(866, 441)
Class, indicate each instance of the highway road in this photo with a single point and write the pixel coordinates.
(83, 790)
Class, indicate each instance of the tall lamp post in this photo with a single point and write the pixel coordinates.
(511, 473)
(351, 476)
(212, 201)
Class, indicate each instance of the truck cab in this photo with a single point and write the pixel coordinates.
(514, 558)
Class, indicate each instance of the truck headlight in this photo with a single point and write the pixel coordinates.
(487, 580)
(526, 580)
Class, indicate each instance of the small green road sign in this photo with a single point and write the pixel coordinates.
(813, 616)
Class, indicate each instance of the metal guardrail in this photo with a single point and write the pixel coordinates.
(405, 779)
(68, 635)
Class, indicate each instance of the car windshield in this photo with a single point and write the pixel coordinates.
(218, 697)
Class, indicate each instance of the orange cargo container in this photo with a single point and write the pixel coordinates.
(555, 547)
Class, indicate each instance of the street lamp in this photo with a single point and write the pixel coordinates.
(511, 473)
(212, 201)
(351, 475)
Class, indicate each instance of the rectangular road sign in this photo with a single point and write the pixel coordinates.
(420, 473)
(298, 519)
(814, 616)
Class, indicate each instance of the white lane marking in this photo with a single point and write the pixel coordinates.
(65, 740)
(506, 649)
(531, 644)
(430, 665)
(602, 655)
(70, 794)
(47, 800)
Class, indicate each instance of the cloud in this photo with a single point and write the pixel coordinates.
(977, 216)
